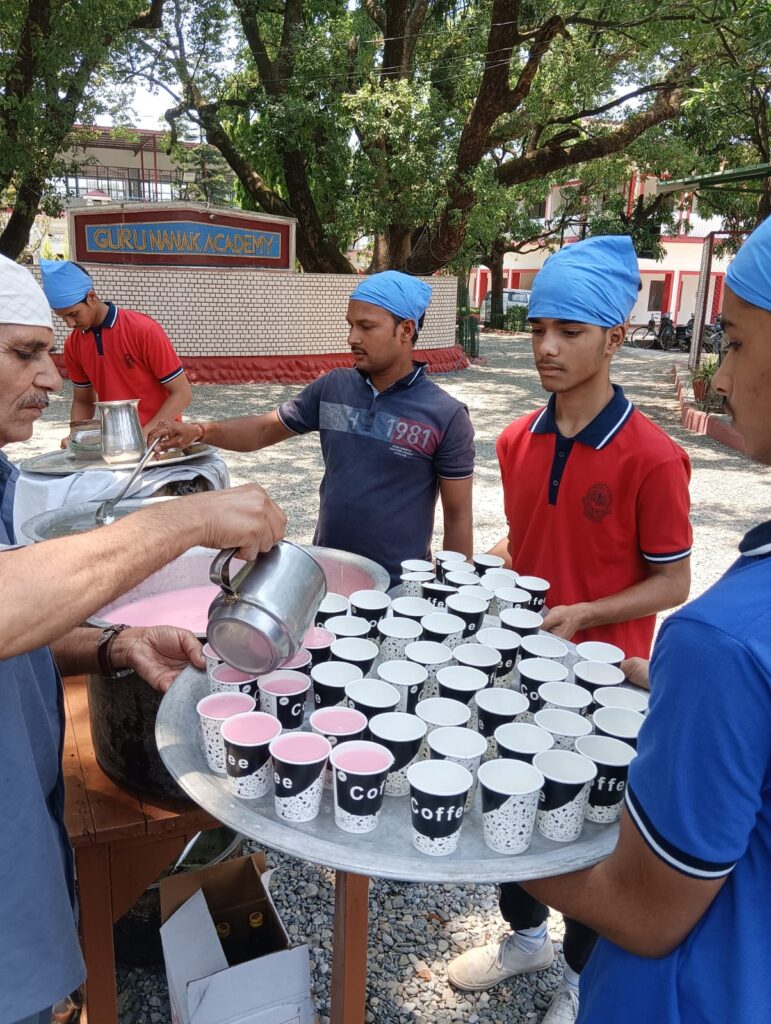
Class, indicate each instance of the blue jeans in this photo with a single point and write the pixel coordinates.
(44, 1017)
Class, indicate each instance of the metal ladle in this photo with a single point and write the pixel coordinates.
(105, 512)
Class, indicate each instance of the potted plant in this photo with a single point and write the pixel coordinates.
(702, 378)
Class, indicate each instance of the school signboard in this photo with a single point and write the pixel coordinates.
(180, 234)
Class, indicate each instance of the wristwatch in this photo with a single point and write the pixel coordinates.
(103, 648)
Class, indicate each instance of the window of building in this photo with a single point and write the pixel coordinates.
(656, 297)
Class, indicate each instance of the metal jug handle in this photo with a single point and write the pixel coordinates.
(219, 571)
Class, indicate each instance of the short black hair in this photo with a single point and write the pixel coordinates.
(400, 320)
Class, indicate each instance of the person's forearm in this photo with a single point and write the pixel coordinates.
(652, 595)
(502, 550)
(75, 652)
(174, 406)
(246, 433)
(82, 408)
(459, 534)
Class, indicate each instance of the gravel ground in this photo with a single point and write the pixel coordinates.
(416, 929)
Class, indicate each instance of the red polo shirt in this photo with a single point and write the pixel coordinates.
(127, 356)
(593, 512)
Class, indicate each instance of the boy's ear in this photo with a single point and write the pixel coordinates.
(614, 338)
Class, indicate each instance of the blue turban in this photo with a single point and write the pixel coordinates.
(63, 283)
(591, 282)
(749, 276)
(404, 296)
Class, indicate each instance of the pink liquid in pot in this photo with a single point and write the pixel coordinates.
(187, 608)
(361, 761)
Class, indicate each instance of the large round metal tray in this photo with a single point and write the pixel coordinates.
(388, 851)
(61, 463)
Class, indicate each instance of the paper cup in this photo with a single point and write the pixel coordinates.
(417, 565)
(330, 680)
(246, 738)
(318, 642)
(395, 633)
(460, 579)
(494, 579)
(521, 620)
(438, 792)
(283, 694)
(372, 605)
(495, 707)
(403, 735)
(596, 675)
(542, 645)
(355, 651)
(224, 679)
(432, 656)
(437, 712)
(371, 697)
(441, 558)
(337, 725)
(461, 683)
(408, 678)
(565, 696)
(300, 662)
(565, 726)
(485, 563)
(461, 746)
(595, 650)
(479, 656)
(347, 626)
(506, 642)
(476, 591)
(509, 597)
(620, 723)
(471, 610)
(211, 658)
(533, 672)
(521, 741)
(510, 791)
(622, 697)
(567, 780)
(442, 628)
(332, 604)
(411, 607)
(212, 712)
(537, 588)
(299, 760)
(359, 772)
(436, 594)
(411, 582)
(612, 758)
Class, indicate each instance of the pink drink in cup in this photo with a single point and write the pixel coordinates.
(212, 712)
(336, 724)
(224, 679)
(299, 759)
(247, 759)
(359, 772)
(283, 694)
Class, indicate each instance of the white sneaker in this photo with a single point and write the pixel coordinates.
(485, 966)
(563, 1009)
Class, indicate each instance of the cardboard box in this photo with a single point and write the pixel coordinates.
(272, 989)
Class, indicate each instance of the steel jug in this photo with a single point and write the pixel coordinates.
(122, 439)
(262, 614)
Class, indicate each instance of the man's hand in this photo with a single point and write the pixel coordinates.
(566, 619)
(65, 442)
(240, 517)
(173, 434)
(157, 653)
(636, 671)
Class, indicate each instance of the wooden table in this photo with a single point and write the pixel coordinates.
(122, 843)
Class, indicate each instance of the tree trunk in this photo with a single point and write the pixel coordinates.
(379, 255)
(16, 234)
(496, 288)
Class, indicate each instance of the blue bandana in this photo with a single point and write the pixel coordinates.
(590, 282)
(749, 276)
(64, 283)
(404, 296)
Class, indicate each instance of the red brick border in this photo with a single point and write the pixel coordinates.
(292, 369)
(700, 422)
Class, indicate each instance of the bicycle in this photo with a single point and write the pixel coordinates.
(653, 333)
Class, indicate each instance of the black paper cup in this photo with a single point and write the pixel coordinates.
(565, 726)
(543, 645)
(442, 558)
(612, 758)
(620, 723)
(371, 697)
(355, 651)
(432, 656)
(506, 642)
(567, 780)
(212, 711)
(348, 626)
(372, 605)
(460, 579)
(443, 628)
(507, 598)
(484, 562)
(461, 683)
(300, 662)
(359, 772)
(247, 739)
(225, 679)
(318, 641)
(596, 650)
(338, 725)
(412, 582)
(283, 694)
(403, 735)
(510, 792)
(395, 634)
(596, 675)
(477, 591)
(211, 658)
(521, 620)
(538, 589)
(461, 746)
(411, 607)
(438, 791)
(496, 706)
(566, 697)
(436, 593)
(534, 671)
(408, 678)
(471, 609)
(332, 604)
(437, 712)
(475, 655)
(299, 760)
(522, 741)
(631, 698)
(330, 680)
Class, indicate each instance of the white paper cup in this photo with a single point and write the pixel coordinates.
(521, 741)
(411, 582)
(332, 604)
(620, 723)
(372, 697)
(542, 645)
(510, 792)
(283, 694)
(596, 675)
(565, 696)
(484, 562)
(532, 673)
(247, 739)
(507, 643)
(612, 758)
(461, 746)
(521, 620)
(359, 772)
(337, 725)
(509, 597)
(355, 651)
(432, 656)
(471, 609)
(443, 628)
(408, 678)
(436, 594)
(461, 683)
(476, 591)
(538, 589)
(224, 679)
(300, 662)
(330, 679)
(438, 793)
(417, 565)
(595, 650)
(437, 712)
(211, 658)
(299, 760)
(348, 626)
(460, 579)
(565, 726)
(212, 712)
(496, 706)
(411, 607)
(442, 558)
(494, 579)
(372, 605)
(395, 633)
(622, 697)
(403, 735)
(567, 780)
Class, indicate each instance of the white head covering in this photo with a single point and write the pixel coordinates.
(21, 298)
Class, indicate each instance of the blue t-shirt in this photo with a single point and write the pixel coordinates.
(700, 795)
(40, 959)
(384, 453)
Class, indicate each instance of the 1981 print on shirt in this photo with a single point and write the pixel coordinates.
(406, 437)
